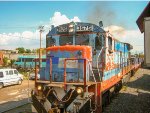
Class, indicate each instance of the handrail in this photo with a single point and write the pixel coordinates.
(50, 62)
(36, 60)
(97, 60)
(91, 70)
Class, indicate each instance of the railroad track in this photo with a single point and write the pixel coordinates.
(113, 100)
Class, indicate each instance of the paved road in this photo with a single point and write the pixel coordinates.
(15, 95)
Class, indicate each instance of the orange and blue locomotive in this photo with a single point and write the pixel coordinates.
(84, 65)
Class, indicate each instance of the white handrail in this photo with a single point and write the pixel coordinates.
(91, 70)
(98, 58)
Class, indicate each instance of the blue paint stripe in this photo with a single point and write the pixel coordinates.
(111, 73)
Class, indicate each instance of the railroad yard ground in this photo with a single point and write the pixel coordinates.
(16, 95)
(134, 97)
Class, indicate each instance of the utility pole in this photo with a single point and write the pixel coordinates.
(41, 29)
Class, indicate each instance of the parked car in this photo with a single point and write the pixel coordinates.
(10, 77)
(32, 76)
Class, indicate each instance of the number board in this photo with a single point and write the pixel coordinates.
(62, 29)
(84, 28)
(79, 28)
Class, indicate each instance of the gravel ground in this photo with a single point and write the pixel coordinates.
(134, 97)
(22, 109)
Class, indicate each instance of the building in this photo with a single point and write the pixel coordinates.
(143, 23)
(1, 58)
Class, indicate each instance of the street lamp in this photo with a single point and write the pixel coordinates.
(41, 29)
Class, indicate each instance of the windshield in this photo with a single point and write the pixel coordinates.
(82, 39)
(63, 40)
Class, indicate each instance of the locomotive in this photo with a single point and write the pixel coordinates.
(85, 65)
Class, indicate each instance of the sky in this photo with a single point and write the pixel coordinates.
(19, 21)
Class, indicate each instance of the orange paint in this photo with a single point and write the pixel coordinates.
(110, 82)
(86, 50)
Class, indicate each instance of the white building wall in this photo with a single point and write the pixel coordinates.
(147, 41)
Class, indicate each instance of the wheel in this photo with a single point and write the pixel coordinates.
(1, 85)
(19, 82)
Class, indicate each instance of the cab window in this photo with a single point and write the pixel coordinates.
(1, 74)
(63, 40)
(50, 41)
(109, 43)
(82, 39)
(99, 41)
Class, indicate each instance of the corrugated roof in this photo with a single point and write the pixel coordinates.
(145, 13)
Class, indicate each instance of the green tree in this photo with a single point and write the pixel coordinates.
(43, 51)
(5, 61)
(12, 62)
(33, 50)
(28, 51)
(21, 50)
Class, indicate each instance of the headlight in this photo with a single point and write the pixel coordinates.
(39, 87)
(79, 90)
(71, 30)
(71, 25)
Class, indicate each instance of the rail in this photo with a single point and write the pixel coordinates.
(37, 68)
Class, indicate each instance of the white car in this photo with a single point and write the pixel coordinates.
(10, 77)
(32, 76)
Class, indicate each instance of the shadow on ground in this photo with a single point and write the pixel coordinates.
(142, 83)
(21, 106)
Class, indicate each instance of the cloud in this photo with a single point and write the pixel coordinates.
(27, 34)
(134, 37)
(75, 19)
(13, 40)
(59, 19)
(30, 39)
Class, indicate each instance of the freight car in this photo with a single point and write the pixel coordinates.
(84, 65)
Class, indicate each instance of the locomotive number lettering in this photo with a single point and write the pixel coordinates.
(62, 29)
(84, 28)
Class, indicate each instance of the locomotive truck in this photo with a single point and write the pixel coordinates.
(85, 65)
